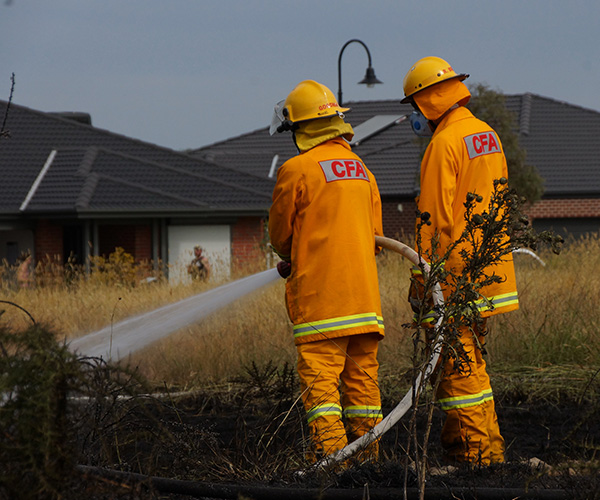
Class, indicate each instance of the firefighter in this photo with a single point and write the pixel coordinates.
(199, 268)
(325, 214)
(464, 156)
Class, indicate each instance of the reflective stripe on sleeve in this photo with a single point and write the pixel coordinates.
(363, 412)
(340, 323)
(466, 401)
(485, 304)
(322, 410)
(497, 301)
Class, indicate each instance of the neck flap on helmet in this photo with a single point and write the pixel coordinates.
(311, 133)
(434, 101)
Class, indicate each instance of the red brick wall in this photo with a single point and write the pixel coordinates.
(48, 240)
(143, 243)
(134, 239)
(572, 208)
(399, 224)
(246, 235)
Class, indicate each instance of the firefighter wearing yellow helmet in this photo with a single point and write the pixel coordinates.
(464, 156)
(325, 214)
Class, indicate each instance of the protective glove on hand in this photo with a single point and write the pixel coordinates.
(416, 296)
(421, 302)
(284, 268)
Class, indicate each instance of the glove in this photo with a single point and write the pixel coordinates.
(284, 268)
(417, 297)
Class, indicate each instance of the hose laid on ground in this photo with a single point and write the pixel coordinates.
(398, 412)
(234, 491)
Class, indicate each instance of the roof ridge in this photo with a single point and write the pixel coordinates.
(90, 155)
(87, 191)
(57, 117)
(552, 99)
(525, 115)
(182, 171)
(151, 190)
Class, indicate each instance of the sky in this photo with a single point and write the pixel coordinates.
(187, 73)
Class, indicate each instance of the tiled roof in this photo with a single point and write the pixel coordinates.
(95, 171)
(561, 140)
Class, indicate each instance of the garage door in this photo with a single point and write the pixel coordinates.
(216, 242)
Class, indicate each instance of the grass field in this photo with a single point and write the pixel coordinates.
(555, 331)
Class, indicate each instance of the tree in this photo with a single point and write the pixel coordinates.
(489, 106)
(5, 134)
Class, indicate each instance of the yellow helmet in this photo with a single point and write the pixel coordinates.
(309, 100)
(427, 72)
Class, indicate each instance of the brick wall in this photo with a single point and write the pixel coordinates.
(246, 235)
(399, 220)
(48, 240)
(134, 239)
(401, 224)
(143, 242)
(571, 208)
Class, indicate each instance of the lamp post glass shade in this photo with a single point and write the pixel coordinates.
(369, 80)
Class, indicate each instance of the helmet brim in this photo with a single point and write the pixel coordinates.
(409, 98)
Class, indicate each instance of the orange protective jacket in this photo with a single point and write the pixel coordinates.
(465, 155)
(325, 214)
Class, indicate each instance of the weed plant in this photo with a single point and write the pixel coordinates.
(56, 410)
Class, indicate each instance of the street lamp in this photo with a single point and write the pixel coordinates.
(369, 80)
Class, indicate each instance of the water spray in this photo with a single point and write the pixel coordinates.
(118, 341)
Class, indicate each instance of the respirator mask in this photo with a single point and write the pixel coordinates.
(420, 124)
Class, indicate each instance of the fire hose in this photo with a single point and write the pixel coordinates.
(398, 412)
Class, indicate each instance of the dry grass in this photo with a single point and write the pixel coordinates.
(559, 315)
(556, 325)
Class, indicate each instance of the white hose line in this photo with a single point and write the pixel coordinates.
(531, 253)
(398, 412)
(115, 342)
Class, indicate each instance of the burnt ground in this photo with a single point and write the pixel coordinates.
(246, 434)
(98, 434)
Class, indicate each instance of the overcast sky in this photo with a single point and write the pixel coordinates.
(187, 73)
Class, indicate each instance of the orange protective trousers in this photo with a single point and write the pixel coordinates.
(470, 432)
(322, 365)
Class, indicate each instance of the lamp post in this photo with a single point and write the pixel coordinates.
(369, 80)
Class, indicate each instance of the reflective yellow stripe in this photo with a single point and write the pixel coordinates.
(363, 412)
(322, 410)
(487, 304)
(341, 323)
(497, 301)
(466, 401)
(417, 269)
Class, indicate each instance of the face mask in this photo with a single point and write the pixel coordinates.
(420, 124)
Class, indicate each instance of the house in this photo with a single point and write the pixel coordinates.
(72, 190)
(562, 140)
